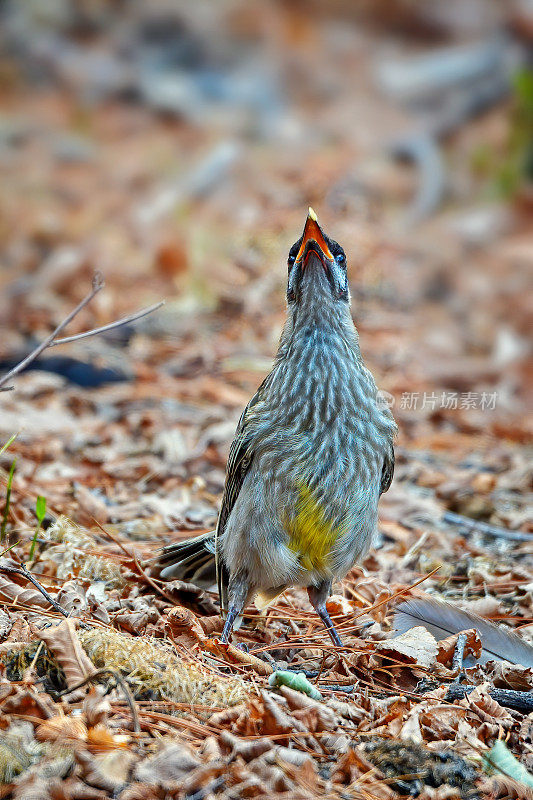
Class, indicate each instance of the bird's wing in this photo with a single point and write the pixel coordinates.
(239, 461)
(388, 471)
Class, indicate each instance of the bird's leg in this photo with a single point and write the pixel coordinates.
(317, 597)
(238, 591)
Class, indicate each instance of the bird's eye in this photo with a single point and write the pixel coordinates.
(340, 258)
(291, 259)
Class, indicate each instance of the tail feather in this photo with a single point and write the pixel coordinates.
(192, 560)
(444, 619)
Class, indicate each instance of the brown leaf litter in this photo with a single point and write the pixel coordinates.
(165, 710)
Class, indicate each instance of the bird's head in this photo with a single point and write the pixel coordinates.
(317, 267)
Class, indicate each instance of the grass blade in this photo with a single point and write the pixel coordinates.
(8, 498)
(9, 441)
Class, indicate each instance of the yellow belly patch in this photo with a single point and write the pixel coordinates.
(311, 535)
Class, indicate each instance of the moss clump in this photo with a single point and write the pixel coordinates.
(154, 669)
(76, 560)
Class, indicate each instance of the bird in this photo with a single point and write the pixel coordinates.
(312, 453)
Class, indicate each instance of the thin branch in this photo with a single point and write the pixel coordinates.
(98, 284)
(142, 313)
(51, 341)
(476, 526)
(29, 577)
(459, 653)
(123, 685)
(508, 698)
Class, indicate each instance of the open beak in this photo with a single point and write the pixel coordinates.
(313, 240)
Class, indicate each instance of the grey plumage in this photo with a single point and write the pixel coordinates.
(443, 619)
(311, 455)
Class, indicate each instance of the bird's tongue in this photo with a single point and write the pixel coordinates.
(314, 258)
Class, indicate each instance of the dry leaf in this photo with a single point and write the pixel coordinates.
(211, 749)
(21, 633)
(510, 676)
(189, 594)
(32, 787)
(136, 622)
(272, 776)
(181, 620)
(5, 624)
(21, 595)
(416, 646)
(486, 606)
(486, 707)
(314, 715)
(140, 791)
(244, 748)
(351, 766)
(72, 598)
(171, 763)
(109, 771)
(199, 779)
(25, 699)
(63, 642)
(410, 730)
(504, 786)
(446, 647)
(63, 729)
(337, 604)
(212, 625)
(74, 789)
(275, 719)
(306, 776)
(101, 738)
(225, 718)
(96, 708)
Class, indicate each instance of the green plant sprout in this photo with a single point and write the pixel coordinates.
(40, 512)
(8, 498)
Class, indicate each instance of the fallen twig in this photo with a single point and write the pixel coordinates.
(474, 525)
(508, 698)
(51, 341)
(29, 577)
(231, 654)
(459, 652)
(98, 284)
(124, 321)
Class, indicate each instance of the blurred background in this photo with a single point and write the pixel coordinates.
(176, 147)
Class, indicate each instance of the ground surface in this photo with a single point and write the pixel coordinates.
(137, 463)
